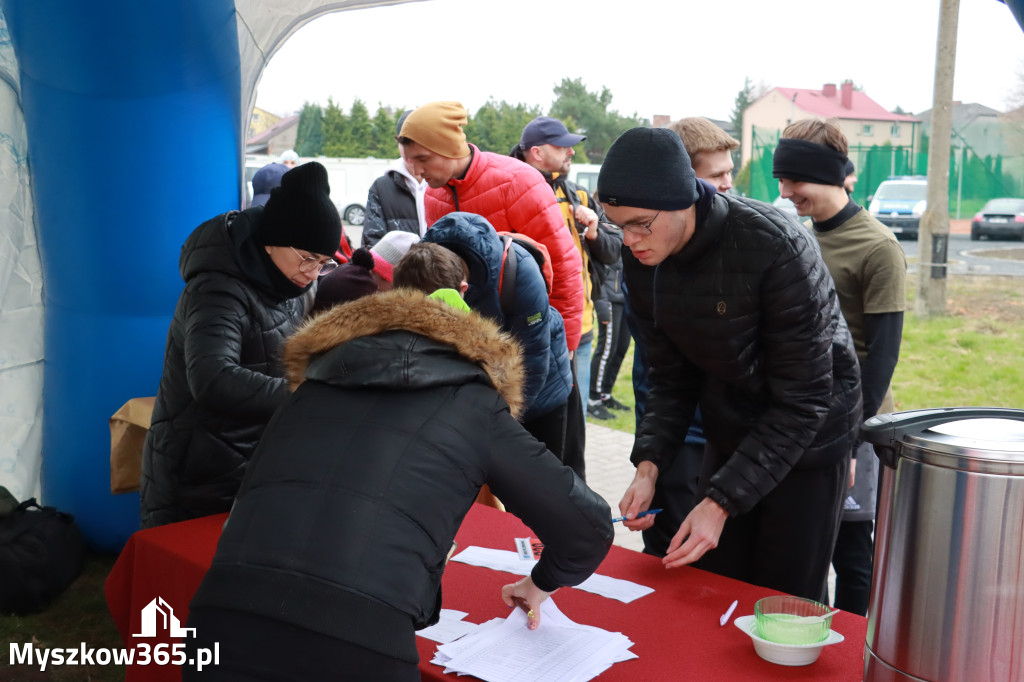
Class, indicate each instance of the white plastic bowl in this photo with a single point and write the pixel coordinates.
(785, 654)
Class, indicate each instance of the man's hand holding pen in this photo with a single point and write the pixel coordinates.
(638, 497)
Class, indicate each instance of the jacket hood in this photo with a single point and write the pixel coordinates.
(398, 166)
(211, 247)
(475, 241)
(228, 244)
(403, 339)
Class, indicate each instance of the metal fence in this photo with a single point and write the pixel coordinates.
(973, 178)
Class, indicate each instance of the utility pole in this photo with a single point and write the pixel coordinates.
(934, 231)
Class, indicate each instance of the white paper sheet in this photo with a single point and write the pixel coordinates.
(510, 562)
(449, 628)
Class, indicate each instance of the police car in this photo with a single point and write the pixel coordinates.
(899, 203)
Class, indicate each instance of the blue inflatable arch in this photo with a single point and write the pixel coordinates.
(164, 91)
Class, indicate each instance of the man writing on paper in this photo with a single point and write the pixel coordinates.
(740, 315)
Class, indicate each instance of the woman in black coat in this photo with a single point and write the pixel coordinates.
(403, 408)
(249, 281)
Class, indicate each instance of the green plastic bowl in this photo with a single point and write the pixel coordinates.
(792, 620)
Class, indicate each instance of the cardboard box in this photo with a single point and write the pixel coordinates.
(128, 427)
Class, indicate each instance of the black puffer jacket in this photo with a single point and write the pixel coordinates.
(745, 320)
(390, 206)
(363, 477)
(222, 378)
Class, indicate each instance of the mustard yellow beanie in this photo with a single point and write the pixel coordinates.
(438, 127)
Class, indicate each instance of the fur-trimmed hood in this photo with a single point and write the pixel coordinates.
(402, 338)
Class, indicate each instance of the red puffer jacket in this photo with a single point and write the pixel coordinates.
(513, 196)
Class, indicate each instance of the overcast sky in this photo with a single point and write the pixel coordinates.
(669, 57)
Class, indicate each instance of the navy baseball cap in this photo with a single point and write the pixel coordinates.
(266, 179)
(547, 130)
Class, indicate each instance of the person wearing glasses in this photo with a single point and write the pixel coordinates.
(739, 315)
(249, 282)
(710, 149)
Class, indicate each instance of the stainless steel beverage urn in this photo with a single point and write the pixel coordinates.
(947, 594)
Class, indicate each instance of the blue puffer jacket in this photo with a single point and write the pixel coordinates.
(531, 320)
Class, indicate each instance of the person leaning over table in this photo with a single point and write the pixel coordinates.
(249, 282)
(332, 556)
(710, 150)
(739, 315)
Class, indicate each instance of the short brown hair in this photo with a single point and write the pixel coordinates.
(819, 131)
(700, 135)
(429, 267)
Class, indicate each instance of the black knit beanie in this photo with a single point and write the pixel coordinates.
(300, 213)
(648, 168)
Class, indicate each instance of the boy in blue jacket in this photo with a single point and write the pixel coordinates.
(524, 312)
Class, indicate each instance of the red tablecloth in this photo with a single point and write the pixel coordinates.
(675, 629)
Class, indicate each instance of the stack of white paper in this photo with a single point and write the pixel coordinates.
(559, 650)
(510, 562)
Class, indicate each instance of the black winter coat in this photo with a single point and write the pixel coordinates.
(363, 477)
(390, 206)
(745, 320)
(222, 378)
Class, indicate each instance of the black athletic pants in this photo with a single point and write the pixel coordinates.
(612, 343)
(852, 559)
(563, 432)
(785, 542)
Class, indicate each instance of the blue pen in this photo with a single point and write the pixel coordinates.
(643, 513)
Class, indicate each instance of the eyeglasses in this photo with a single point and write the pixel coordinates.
(311, 264)
(633, 228)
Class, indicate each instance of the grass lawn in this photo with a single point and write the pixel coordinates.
(972, 356)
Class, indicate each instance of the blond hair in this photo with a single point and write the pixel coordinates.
(699, 135)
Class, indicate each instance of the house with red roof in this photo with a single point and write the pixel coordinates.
(864, 121)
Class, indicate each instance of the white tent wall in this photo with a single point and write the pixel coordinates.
(263, 26)
(21, 304)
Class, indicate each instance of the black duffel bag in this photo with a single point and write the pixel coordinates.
(41, 553)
